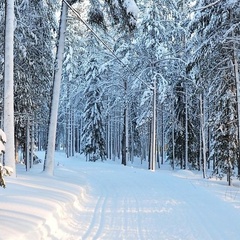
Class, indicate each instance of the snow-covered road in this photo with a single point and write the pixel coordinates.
(128, 203)
(108, 201)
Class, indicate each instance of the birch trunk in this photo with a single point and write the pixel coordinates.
(8, 86)
(49, 160)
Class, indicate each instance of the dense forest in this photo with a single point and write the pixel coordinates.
(153, 81)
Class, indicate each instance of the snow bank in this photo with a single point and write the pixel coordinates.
(105, 200)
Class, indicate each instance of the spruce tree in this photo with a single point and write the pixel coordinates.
(93, 139)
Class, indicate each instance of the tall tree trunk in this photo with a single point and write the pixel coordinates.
(153, 130)
(73, 132)
(119, 141)
(67, 140)
(49, 160)
(149, 144)
(8, 86)
(125, 147)
(124, 139)
(186, 129)
(173, 147)
(200, 149)
(202, 123)
(173, 138)
(67, 131)
(108, 137)
(236, 71)
(162, 133)
(16, 150)
(32, 143)
(27, 146)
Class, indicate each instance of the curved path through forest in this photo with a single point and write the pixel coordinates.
(130, 203)
(108, 201)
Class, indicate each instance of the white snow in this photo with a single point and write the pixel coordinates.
(106, 200)
(131, 7)
(3, 137)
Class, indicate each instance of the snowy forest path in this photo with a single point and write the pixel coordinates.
(109, 201)
(129, 203)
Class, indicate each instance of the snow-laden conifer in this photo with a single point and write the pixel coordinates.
(93, 139)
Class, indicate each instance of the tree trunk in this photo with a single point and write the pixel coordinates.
(125, 148)
(67, 131)
(163, 142)
(202, 121)
(153, 130)
(27, 146)
(173, 138)
(8, 86)
(49, 160)
(16, 151)
(32, 143)
(238, 100)
(124, 139)
(72, 132)
(186, 129)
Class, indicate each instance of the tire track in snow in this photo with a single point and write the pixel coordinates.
(95, 218)
(98, 217)
(139, 220)
(137, 206)
(102, 217)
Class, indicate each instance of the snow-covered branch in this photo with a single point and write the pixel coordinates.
(209, 5)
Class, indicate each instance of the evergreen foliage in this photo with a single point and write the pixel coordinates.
(93, 131)
(213, 30)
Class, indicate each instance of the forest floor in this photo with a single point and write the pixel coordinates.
(109, 201)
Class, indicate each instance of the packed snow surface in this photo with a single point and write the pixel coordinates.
(105, 200)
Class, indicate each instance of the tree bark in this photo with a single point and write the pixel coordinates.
(49, 160)
(236, 71)
(8, 86)
(125, 129)
(124, 139)
(27, 146)
(186, 129)
(153, 131)
(202, 121)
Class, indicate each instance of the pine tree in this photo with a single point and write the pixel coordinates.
(224, 135)
(93, 127)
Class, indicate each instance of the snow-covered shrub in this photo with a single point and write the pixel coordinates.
(4, 171)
